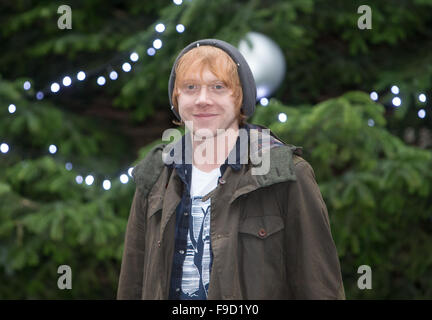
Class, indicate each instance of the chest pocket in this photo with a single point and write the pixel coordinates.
(261, 227)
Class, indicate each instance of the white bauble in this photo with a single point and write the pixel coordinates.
(266, 60)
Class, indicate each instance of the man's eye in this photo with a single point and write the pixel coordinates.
(219, 86)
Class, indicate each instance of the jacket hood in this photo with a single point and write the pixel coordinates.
(245, 74)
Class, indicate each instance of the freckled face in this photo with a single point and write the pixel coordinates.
(207, 102)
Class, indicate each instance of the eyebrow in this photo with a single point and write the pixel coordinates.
(194, 80)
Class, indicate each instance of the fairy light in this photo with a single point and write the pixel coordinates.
(4, 147)
(124, 178)
(422, 97)
(160, 27)
(134, 57)
(264, 102)
(39, 95)
(282, 117)
(101, 80)
(395, 89)
(126, 67)
(89, 180)
(81, 76)
(396, 101)
(421, 113)
(52, 149)
(27, 85)
(55, 87)
(67, 81)
(180, 28)
(157, 44)
(113, 75)
(374, 96)
(106, 184)
(12, 108)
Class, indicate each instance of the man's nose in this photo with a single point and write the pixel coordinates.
(203, 96)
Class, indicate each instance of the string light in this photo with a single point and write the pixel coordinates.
(27, 85)
(395, 89)
(180, 28)
(421, 113)
(134, 56)
(4, 147)
(52, 149)
(126, 67)
(422, 97)
(101, 80)
(157, 44)
(68, 166)
(55, 87)
(12, 108)
(39, 95)
(371, 123)
(151, 51)
(89, 180)
(374, 96)
(124, 179)
(79, 179)
(81, 75)
(67, 81)
(396, 101)
(106, 184)
(130, 171)
(264, 102)
(113, 75)
(282, 117)
(160, 27)
(178, 2)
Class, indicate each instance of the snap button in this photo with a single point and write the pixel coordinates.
(159, 244)
(262, 233)
(222, 181)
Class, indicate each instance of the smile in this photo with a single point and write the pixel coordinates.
(205, 115)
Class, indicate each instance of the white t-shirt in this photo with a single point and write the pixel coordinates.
(196, 266)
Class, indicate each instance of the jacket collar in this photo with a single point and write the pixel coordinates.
(281, 167)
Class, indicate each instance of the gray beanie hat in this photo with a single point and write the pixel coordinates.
(245, 74)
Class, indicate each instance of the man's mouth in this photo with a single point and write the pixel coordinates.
(205, 115)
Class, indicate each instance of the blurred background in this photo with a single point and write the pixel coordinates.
(83, 99)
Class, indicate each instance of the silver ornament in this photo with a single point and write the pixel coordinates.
(266, 61)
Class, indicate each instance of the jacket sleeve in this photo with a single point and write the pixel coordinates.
(131, 273)
(313, 268)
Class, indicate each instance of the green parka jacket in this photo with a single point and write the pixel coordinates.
(270, 234)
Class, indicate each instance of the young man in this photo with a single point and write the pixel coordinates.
(206, 222)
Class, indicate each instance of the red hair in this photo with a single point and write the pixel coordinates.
(217, 62)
